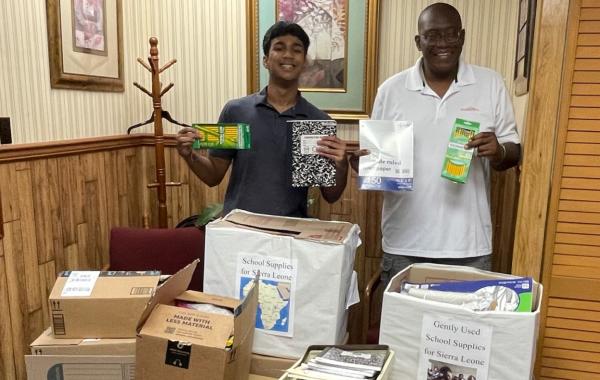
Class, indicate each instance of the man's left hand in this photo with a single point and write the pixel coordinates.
(487, 146)
(333, 148)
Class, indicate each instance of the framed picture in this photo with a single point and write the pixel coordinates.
(85, 44)
(524, 45)
(341, 70)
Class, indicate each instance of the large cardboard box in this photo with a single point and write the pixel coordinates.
(92, 304)
(180, 343)
(80, 367)
(80, 359)
(47, 344)
(428, 335)
(306, 271)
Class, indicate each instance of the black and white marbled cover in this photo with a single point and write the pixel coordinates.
(311, 169)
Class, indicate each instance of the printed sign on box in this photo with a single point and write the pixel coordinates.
(462, 346)
(277, 287)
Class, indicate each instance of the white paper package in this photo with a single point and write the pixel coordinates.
(389, 166)
(305, 285)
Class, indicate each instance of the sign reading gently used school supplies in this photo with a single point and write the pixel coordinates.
(389, 166)
(461, 347)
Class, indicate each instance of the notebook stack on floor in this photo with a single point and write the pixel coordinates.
(342, 362)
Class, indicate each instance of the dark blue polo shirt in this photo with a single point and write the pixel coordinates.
(261, 176)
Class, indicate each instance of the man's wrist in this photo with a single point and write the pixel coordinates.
(502, 154)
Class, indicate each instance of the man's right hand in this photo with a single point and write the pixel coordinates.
(185, 138)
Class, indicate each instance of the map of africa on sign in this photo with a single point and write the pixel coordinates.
(273, 314)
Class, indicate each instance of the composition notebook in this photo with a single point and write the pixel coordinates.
(308, 167)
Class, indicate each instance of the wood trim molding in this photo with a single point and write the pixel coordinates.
(540, 137)
(24, 152)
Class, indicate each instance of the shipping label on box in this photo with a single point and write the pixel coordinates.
(100, 304)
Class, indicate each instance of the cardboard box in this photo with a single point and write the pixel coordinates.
(80, 367)
(425, 334)
(181, 343)
(385, 373)
(306, 270)
(89, 304)
(47, 344)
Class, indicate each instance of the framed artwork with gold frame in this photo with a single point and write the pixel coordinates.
(85, 44)
(341, 71)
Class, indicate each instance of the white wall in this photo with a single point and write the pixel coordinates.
(207, 37)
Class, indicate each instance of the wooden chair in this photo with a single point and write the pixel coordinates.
(371, 311)
(164, 249)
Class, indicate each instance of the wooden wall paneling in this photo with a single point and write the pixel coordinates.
(134, 183)
(123, 186)
(94, 228)
(71, 203)
(7, 359)
(17, 294)
(113, 198)
(538, 147)
(28, 225)
(47, 272)
(43, 204)
(10, 209)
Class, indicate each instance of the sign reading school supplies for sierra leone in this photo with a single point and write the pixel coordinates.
(277, 289)
(389, 165)
(462, 346)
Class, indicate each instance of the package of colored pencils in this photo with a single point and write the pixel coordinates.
(222, 136)
(458, 159)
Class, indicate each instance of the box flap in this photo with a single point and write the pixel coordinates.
(245, 313)
(170, 289)
(299, 228)
(47, 339)
(180, 324)
(199, 297)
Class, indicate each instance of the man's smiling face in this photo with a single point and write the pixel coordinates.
(440, 40)
(286, 58)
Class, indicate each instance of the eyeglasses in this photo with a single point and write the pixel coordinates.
(436, 37)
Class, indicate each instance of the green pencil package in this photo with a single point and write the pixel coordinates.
(223, 136)
(458, 159)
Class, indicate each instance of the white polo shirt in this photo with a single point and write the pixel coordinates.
(440, 218)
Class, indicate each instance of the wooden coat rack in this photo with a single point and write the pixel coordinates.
(159, 142)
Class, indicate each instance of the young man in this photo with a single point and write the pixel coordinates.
(441, 221)
(261, 177)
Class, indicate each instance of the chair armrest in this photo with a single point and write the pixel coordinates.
(372, 285)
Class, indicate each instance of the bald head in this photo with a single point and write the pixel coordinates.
(439, 11)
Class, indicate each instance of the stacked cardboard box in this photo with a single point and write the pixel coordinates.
(139, 333)
(93, 315)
